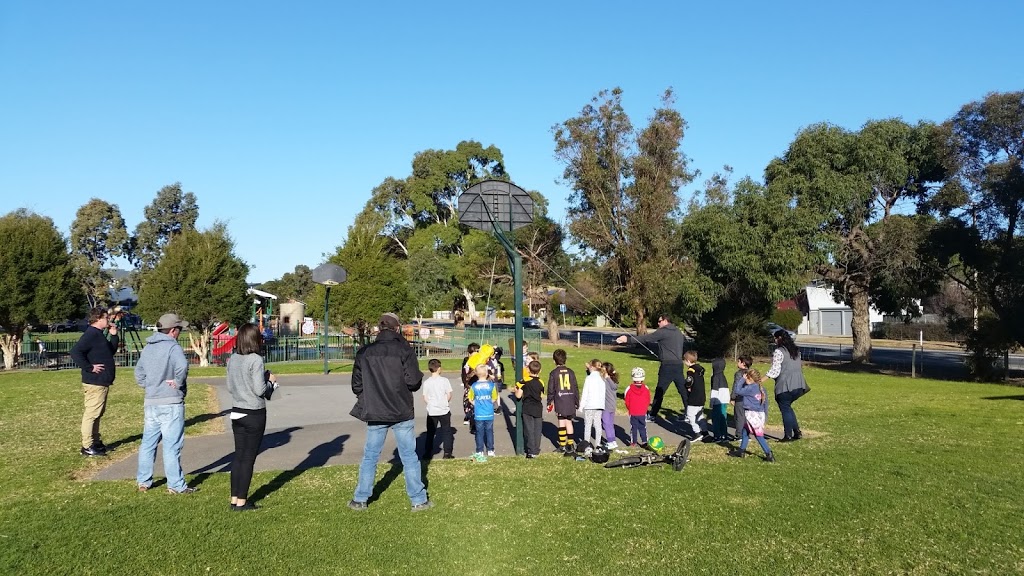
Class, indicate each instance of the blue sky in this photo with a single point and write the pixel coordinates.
(281, 117)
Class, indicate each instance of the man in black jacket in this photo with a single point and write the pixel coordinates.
(670, 341)
(384, 377)
(94, 354)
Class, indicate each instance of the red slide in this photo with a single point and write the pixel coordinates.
(222, 343)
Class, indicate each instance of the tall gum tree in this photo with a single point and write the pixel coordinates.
(172, 212)
(98, 235)
(426, 203)
(625, 186)
(981, 204)
(850, 187)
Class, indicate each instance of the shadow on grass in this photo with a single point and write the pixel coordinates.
(316, 458)
(1017, 397)
(197, 419)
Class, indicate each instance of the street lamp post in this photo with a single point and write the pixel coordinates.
(328, 275)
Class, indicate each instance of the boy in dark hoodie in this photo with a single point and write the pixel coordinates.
(719, 401)
(743, 363)
(696, 397)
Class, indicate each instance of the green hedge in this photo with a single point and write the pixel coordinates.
(912, 331)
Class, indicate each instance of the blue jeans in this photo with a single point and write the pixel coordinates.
(745, 438)
(166, 422)
(785, 401)
(405, 437)
(484, 435)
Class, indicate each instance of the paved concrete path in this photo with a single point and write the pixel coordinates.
(308, 425)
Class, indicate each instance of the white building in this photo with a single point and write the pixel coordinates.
(823, 316)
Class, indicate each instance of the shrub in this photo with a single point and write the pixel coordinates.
(912, 331)
(788, 319)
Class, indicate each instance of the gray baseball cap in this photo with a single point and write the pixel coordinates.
(170, 320)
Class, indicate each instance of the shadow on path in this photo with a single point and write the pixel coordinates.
(223, 464)
(316, 458)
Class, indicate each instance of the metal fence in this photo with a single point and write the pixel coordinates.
(434, 343)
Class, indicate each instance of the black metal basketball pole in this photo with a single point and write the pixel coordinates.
(516, 263)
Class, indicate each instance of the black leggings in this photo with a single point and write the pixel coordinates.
(248, 432)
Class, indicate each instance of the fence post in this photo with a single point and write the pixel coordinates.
(577, 339)
(913, 361)
(601, 345)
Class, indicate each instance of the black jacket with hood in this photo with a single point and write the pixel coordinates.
(384, 377)
(695, 394)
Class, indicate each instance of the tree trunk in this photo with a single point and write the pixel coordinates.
(11, 345)
(641, 322)
(861, 326)
(470, 305)
(553, 334)
(201, 345)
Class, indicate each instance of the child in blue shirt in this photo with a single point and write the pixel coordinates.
(484, 395)
(755, 406)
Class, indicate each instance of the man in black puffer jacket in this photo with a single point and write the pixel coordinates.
(384, 377)
(94, 354)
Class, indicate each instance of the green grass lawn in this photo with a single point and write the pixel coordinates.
(898, 477)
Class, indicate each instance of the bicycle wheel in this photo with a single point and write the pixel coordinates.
(681, 456)
(627, 462)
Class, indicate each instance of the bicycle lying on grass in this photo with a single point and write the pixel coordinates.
(676, 459)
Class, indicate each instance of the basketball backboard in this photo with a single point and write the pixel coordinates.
(493, 204)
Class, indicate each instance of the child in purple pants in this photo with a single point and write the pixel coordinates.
(611, 382)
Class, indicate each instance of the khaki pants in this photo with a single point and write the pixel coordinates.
(95, 406)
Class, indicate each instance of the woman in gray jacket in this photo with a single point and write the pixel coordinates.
(250, 385)
(790, 385)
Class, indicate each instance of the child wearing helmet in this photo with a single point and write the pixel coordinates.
(637, 399)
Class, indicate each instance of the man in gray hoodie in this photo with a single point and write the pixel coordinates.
(162, 371)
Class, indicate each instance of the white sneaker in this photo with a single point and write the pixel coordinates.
(490, 452)
(612, 445)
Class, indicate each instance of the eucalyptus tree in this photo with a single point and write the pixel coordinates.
(172, 212)
(749, 250)
(851, 188)
(98, 235)
(425, 204)
(982, 209)
(625, 185)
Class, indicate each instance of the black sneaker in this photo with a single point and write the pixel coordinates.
(357, 506)
(245, 507)
(448, 457)
(425, 506)
(91, 451)
(769, 458)
(186, 490)
(737, 453)
(102, 447)
(650, 418)
(530, 456)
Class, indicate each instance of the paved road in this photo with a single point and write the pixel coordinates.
(940, 364)
(308, 425)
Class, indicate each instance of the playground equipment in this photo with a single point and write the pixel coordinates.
(223, 340)
(262, 310)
